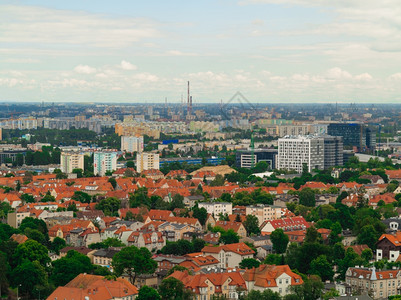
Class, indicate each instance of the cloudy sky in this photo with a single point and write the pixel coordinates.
(137, 51)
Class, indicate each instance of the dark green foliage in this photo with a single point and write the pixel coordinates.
(70, 266)
(200, 214)
(279, 240)
(133, 261)
(109, 242)
(307, 197)
(57, 244)
(148, 293)
(81, 197)
(251, 225)
(109, 206)
(173, 289)
(249, 263)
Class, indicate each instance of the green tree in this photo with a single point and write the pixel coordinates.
(79, 172)
(109, 206)
(48, 198)
(229, 237)
(70, 266)
(311, 289)
(307, 197)
(29, 277)
(200, 214)
(173, 289)
(177, 202)
(58, 244)
(251, 225)
(148, 293)
(267, 294)
(27, 198)
(312, 235)
(279, 240)
(113, 182)
(249, 263)
(32, 251)
(322, 267)
(133, 261)
(368, 236)
(81, 197)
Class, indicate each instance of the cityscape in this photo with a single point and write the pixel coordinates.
(227, 150)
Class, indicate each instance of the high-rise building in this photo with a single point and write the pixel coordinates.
(70, 161)
(132, 143)
(147, 161)
(354, 134)
(104, 161)
(295, 151)
(333, 151)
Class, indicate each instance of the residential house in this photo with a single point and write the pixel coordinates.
(286, 224)
(95, 287)
(153, 241)
(237, 227)
(229, 255)
(388, 246)
(104, 257)
(205, 286)
(279, 279)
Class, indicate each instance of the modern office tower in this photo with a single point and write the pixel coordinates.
(295, 151)
(244, 157)
(132, 143)
(355, 135)
(70, 161)
(147, 161)
(333, 151)
(104, 161)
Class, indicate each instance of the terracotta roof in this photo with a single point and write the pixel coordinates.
(265, 275)
(239, 248)
(19, 238)
(94, 287)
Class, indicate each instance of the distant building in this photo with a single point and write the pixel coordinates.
(70, 161)
(132, 143)
(333, 151)
(380, 284)
(294, 152)
(217, 208)
(354, 134)
(244, 157)
(147, 161)
(104, 161)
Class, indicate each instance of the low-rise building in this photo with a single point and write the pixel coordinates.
(217, 208)
(379, 284)
(229, 255)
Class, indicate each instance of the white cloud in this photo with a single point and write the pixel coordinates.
(84, 69)
(125, 65)
(40, 25)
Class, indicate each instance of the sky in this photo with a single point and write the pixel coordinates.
(145, 51)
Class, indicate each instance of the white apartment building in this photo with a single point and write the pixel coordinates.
(147, 161)
(217, 208)
(132, 143)
(294, 151)
(70, 161)
(104, 161)
(264, 212)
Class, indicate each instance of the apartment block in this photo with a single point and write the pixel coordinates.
(132, 143)
(147, 161)
(379, 284)
(264, 212)
(70, 161)
(217, 208)
(295, 151)
(104, 161)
